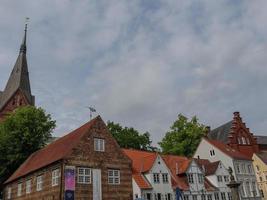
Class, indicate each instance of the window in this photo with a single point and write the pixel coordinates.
(226, 178)
(244, 169)
(200, 178)
(55, 177)
(19, 189)
(239, 141)
(9, 190)
(244, 140)
(169, 196)
(223, 196)
(212, 153)
(186, 197)
(156, 177)
(114, 176)
(249, 169)
(203, 197)
(194, 197)
(216, 195)
(99, 144)
(238, 168)
(248, 142)
(190, 178)
(219, 178)
(260, 179)
(254, 189)
(28, 186)
(242, 190)
(230, 196)
(209, 197)
(165, 178)
(248, 189)
(84, 175)
(258, 168)
(262, 194)
(39, 183)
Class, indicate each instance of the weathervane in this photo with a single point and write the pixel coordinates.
(92, 110)
(27, 19)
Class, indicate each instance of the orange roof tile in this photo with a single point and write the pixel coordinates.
(228, 150)
(141, 181)
(53, 152)
(142, 161)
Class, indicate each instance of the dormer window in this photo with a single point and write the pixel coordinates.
(212, 153)
(99, 144)
(190, 178)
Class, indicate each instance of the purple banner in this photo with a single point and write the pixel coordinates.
(69, 182)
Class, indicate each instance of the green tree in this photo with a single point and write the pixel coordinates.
(129, 137)
(23, 132)
(183, 137)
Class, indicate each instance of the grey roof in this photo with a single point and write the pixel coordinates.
(221, 133)
(261, 139)
(19, 78)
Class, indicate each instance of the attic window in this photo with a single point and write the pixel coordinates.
(99, 144)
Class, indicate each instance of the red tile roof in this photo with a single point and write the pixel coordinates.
(209, 167)
(141, 181)
(53, 152)
(228, 150)
(142, 161)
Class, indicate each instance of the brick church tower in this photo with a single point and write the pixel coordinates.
(17, 91)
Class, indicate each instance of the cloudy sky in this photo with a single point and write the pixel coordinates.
(140, 63)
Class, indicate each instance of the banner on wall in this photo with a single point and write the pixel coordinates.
(69, 182)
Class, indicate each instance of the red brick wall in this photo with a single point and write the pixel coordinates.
(16, 101)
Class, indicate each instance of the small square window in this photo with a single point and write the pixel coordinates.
(99, 144)
(113, 176)
(84, 175)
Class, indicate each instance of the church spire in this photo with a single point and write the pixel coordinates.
(18, 80)
(23, 47)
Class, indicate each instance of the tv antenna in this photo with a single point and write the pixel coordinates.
(92, 110)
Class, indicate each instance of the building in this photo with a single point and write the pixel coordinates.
(85, 164)
(241, 164)
(218, 175)
(18, 90)
(236, 135)
(189, 179)
(260, 167)
(151, 177)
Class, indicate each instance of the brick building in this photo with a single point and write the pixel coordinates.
(85, 164)
(17, 91)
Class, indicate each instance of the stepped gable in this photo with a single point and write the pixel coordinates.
(53, 152)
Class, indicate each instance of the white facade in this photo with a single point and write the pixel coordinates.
(248, 181)
(159, 178)
(196, 179)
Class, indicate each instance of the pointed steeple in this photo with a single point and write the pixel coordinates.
(19, 77)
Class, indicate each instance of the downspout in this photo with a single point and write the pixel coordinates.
(61, 181)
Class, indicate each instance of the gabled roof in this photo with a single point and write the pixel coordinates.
(210, 168)
(180, 164)
(263, 156)
(53, 152)
(226, 149)
(19, 78)
(142, 161)
(221, 133)
(141, 181)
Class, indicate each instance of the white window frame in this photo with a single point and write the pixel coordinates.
(99, 144)
(55, 177)
(165, 178)
(28, 186)
(114, 177)
(84, 175)
(200, 178)
(19, 192)
(156, 178)
(190, 178)
(9, 192)
(39, 183)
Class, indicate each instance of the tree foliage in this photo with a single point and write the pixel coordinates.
(129, 137)
(183, 137)
(23, 132)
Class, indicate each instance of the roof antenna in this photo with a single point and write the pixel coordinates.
(92, 110)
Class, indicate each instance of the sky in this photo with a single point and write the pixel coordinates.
(141, 63)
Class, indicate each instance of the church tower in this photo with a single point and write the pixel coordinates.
(17, 92)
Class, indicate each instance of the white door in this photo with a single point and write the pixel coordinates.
(97, 186)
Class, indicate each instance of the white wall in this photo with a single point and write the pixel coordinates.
(136, 190)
